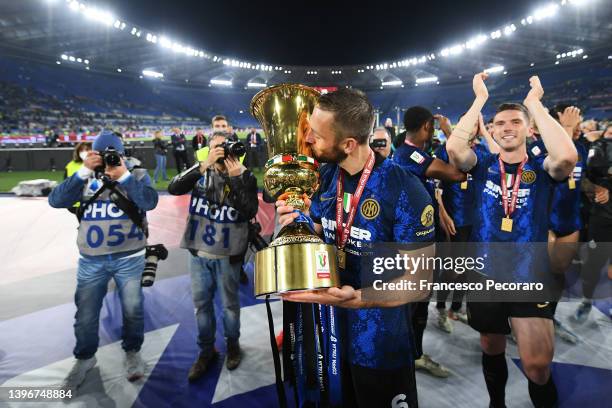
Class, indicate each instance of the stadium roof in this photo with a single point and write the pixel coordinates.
(86, 36)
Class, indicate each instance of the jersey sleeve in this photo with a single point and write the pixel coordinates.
(414, 213)
(441, 154)
(483, 160)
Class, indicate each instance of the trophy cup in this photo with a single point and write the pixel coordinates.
(297, 259)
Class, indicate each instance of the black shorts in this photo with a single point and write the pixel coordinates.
(371, 388)
(492, 317)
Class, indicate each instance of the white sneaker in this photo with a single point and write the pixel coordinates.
(443, 323)
(564, 333)
(77, 374)
(582, 311)
(135, 367)
(459, 316)
(430, 366)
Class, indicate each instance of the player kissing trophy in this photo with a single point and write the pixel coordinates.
(297, 259)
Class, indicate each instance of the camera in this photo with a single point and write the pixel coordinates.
(233, 149)
(111, 157)
(378, 143)
(255, 237)
(153, 254)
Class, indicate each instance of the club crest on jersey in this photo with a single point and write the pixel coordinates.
(427, 216)
(528, 176)
(536, 150)
(417, 157)
(370, 209)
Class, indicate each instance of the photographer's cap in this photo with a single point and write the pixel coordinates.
(105, 139)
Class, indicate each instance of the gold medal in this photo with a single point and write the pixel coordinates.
(506, 224)
(571, 183)
(464, 185)
(341, 259)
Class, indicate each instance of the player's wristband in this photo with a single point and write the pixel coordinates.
(303, 218)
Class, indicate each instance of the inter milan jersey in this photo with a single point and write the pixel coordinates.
(394, 207)
(417, 161)
(458, 198)
(565, 207)
(529, 220)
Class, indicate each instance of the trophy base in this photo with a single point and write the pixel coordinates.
(295, 267)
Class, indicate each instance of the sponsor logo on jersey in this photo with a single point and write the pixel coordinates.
(427, 216)
(370, 209)
(528, 176)
(417, 157)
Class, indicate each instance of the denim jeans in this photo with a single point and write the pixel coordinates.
(160, 167)
(206, 275)
(92, 282)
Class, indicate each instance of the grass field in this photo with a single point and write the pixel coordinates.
(10, 180)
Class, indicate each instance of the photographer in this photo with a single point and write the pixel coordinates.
(179, 149)
(223, 200)
(111, 245)
(597, 188)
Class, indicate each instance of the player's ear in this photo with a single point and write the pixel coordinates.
(350, 144)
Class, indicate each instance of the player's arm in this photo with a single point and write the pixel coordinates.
(440, 170)
(460, 153)
(562, 155)
(491, 143)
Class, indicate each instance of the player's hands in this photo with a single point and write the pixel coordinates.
(332, 296)
(535, 93)
(447, 223)
(115, 172)
(445, 124)
(233, 166)
(570, 117)
(480, 89)
(285, 212)
(602, 195)
(93, 160)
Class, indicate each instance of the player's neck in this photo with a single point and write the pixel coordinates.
(413, 138)
(513, 156)
(356, 160)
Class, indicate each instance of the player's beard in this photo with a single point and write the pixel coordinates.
(336, 155)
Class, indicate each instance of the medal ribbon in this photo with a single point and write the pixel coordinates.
(342, 234)
(510, 207)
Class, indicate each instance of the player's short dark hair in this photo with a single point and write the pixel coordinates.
(516, 107)
(415, 117)
(218, 117)
(353, 113)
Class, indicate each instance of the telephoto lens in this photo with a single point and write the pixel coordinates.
(153, 254)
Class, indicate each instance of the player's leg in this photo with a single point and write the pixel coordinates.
(535, 340)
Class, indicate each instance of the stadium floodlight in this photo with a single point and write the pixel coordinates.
(64, 57)
(86, 62)
(396, 82)
(545, 12)
(58, 63)
(427, 80)
(493, 70)
(119, 70)
(152, 74)
(475, 41)
(71, 58)
(256, 85)
(578, 3)
(79, 60)
(222, 82)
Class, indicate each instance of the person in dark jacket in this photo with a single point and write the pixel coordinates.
(179, 149)
(161, 148)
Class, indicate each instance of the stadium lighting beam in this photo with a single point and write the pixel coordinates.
(392, 83)
(494, 70)
(545, 12)
(152, 74)
(256, 85)
(426, 80)
(222, 82)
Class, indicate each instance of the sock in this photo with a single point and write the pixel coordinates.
(440, 305)
(495, 372)
(543, 396)
(419, 323)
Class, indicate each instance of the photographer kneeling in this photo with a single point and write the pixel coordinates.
(111, 241)
(223, 200)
